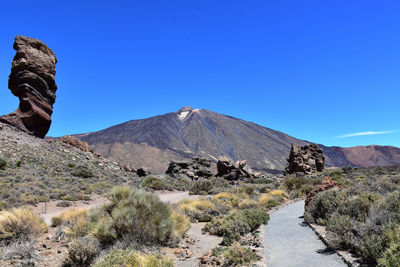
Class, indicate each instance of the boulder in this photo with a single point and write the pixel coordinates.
(234, 171)
(32, 80)
(141, 172)
(305, 159)
(194, 169)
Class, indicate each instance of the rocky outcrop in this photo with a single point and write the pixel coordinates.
(75, 142)
(305, 159)
(32, 80)
(194, 169)
(234, 171)
(326, 184)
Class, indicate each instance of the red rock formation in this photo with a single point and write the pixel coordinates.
(305, 159)
(32, 80)
(75, 142)
(326, 184)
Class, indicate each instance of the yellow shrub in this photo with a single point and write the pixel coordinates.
(248, 203)
(226, 199)
(279, 193)
(180, 222)
(75, 222)
(264, 199)
(20, 221)
(187, 205)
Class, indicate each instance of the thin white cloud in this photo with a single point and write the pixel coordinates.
(364, 133)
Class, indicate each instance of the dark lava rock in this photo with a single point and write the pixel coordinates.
(32, 80)
(196, 168)
(306, 159)
(234, 171)
(141, 172)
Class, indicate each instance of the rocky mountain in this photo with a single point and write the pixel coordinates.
(154, 141)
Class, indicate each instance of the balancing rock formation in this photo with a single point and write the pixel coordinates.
(234, 171)
(305, 159)
(32, 80)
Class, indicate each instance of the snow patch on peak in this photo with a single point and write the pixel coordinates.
(183, 115)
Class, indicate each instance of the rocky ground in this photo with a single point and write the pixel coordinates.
(37, 170)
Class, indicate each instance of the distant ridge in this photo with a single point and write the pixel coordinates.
(154, 141)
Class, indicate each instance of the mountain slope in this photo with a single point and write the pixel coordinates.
(154, 141)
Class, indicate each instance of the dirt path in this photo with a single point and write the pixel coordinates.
(289, 241)
(53, 210)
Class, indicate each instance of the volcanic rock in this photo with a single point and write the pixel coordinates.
(232, 172)
(32, 80)
(305, 159)
(77, 143)
(196, 168)
(141, 172)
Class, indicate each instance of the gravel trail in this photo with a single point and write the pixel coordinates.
(290, 242)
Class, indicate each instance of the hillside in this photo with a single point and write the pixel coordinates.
(154, 141)
(34, 170)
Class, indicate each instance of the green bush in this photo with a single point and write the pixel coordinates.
(201, 187)
(237, 255)
(391, 256)
(131, 258)
(155, 183)
(83, 172)
(81, 252)
(237, 224)
(3, 164)
(132, 212)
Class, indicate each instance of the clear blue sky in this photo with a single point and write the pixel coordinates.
(313, 69)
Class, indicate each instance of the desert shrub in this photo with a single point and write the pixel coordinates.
(83, 172)
(180, 222)
(226, 199)
(155, 183)
(21, 248)
(3, 205)
(3, 164)
(237, 224)
(132, 212)
(201, 187)
(132, 258)
(82, 252)
(75, 223)
(236, 255)
(391, 256)
(64, 204)
(201, 209)
(263, 180)
(20, 222)
(279, 193)
(322, 207)
(248, 203)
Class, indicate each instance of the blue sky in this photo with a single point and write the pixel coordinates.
(318, 70)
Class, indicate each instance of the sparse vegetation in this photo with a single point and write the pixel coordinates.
(81, 252)
(20, 222)
(236, 255)
(364, 216)
(75, 223)
(131, 258)
(3, 164)
(155, 183)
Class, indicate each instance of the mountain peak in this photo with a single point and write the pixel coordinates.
(184, 109)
